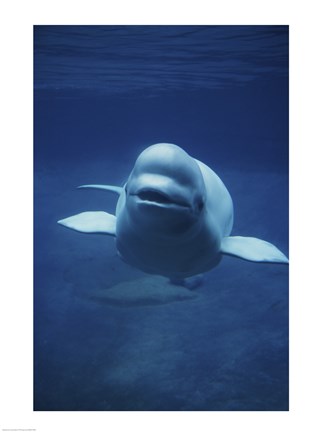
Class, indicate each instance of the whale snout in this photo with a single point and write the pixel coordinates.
(165, 192)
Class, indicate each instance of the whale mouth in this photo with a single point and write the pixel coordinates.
(150, 195)
(161, 199)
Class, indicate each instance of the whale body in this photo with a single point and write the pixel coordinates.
(174, 217)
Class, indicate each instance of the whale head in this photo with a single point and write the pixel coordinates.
(165, 192)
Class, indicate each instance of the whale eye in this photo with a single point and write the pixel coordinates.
(200, 205)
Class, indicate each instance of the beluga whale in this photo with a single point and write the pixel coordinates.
(173, 217)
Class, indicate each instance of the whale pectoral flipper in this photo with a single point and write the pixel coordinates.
(252, 249)
(116, 189)
(91, 222)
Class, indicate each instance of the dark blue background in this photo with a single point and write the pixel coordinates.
(102, 94)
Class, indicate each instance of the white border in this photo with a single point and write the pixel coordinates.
(306, 285)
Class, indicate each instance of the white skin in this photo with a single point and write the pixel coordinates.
(166, 223)
(173, 217)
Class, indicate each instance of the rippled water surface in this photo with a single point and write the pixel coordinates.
(123, 59)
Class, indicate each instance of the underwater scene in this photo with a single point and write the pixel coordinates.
(153, 306)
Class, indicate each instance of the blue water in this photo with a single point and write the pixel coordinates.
(103, 94)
